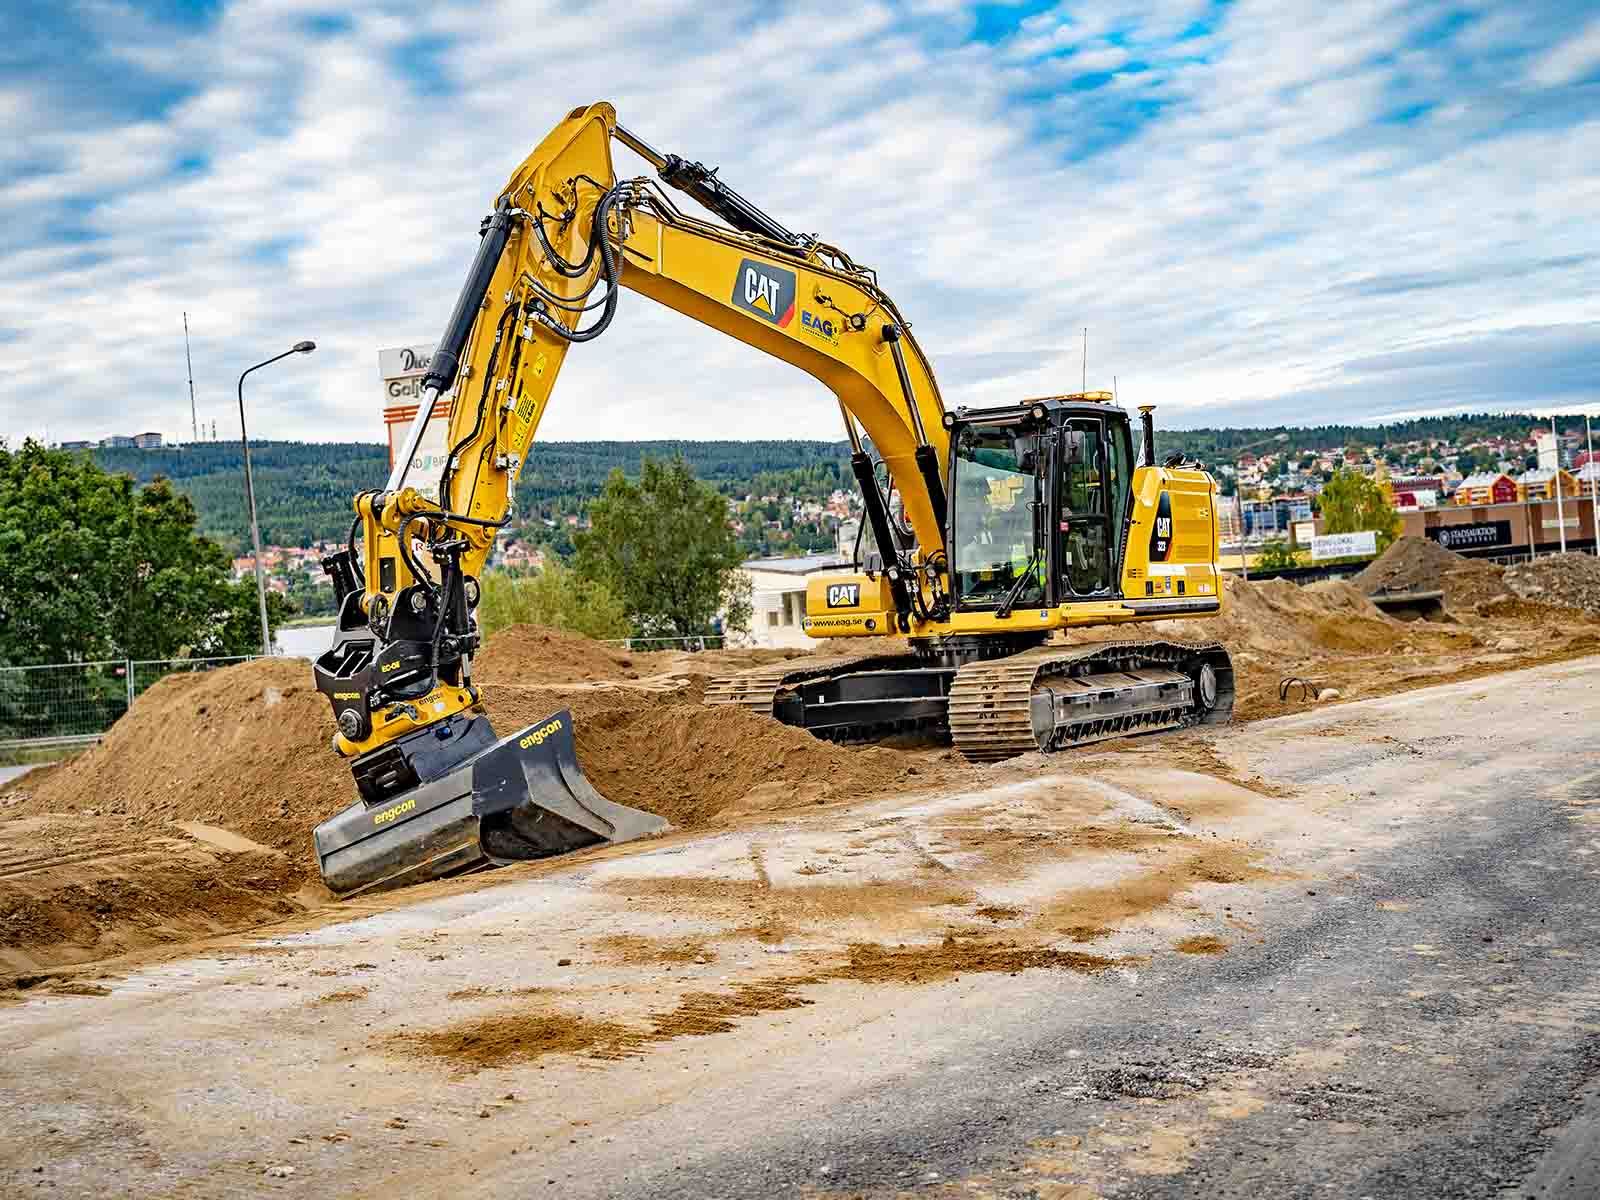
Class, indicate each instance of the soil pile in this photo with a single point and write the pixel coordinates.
(535, 654)
(76, 888)
(1414, 564)
(693, 764)
(245, 748)
(1572, 580)
(1279, 619)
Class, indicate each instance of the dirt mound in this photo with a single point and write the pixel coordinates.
(1414, 564)
(79, 888)
(534, 654)
(1282, 620)
(693, 764)
(245, 748)
(1572, 580)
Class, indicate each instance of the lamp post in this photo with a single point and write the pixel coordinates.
(250, 491)
(1238, 504)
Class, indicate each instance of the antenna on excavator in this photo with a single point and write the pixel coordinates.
(1085, 358)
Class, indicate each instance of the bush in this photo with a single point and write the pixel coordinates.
(1276, 555)
(554, 596)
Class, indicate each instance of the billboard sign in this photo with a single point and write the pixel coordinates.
(1471, 537)
(401, 370)
(1344, 545)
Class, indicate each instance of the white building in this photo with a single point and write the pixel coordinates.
(778, 596)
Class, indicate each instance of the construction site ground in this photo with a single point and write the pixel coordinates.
(1343, 944)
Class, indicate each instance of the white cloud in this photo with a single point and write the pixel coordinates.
(1571, 60)
(1259, 229)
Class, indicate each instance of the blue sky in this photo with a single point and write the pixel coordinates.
(1291, 211)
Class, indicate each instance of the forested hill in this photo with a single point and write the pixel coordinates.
(303, 489)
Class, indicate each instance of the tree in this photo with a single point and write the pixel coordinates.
(1351, 503)
(665, 547)
(93, 567)
(1466, 462)
(555, 596)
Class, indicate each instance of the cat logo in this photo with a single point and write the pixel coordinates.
(844, 595)
(766, 291)
(1161, 530)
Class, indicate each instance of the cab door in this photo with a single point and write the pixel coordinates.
(1092, 497)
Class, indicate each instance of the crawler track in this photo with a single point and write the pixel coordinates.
(991, 715)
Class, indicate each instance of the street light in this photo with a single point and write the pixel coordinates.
(1238, 505)
(250, 491)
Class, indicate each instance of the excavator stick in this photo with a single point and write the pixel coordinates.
(494, 802)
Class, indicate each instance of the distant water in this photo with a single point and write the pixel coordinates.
(305, 641)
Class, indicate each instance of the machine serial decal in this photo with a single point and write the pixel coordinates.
(765, 290)
(538, 736)
(393, 811)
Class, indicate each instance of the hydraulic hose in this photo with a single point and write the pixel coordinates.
(608, 272)
(561, 265)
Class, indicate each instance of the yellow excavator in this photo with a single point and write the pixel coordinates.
(991, 528)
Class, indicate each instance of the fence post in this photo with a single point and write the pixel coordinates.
(127, 666)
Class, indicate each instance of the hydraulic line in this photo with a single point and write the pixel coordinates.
(562, 266)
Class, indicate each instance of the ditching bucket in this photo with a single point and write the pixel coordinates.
(522, 797)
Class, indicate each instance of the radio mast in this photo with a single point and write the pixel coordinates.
(194, 421)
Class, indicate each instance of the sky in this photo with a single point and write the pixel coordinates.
(1264, 211)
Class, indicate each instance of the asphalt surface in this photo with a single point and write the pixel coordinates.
(1451, 1049)
(1425, 1023)
(1408, 1006)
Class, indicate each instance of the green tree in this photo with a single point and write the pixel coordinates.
(1276, 555)
(555, 596)
(1466, 462)
(664, 546)
(1351, 503)
(93, 566)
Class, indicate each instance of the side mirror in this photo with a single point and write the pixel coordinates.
(1026, 448)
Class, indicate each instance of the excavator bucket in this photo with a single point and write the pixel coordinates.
(522, 797)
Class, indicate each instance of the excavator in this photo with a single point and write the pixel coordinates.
(991, 528)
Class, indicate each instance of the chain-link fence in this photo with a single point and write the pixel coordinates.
(708, 642)
(62, 706)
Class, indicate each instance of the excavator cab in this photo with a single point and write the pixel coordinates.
(1039, 494)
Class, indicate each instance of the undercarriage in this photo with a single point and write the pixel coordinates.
(991, 705)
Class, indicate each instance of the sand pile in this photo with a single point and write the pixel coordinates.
(1572, 580)
(693, 764)
(535, 654)
(135, 842)
(1414, 564)
(1280, 619)
(245, 748)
